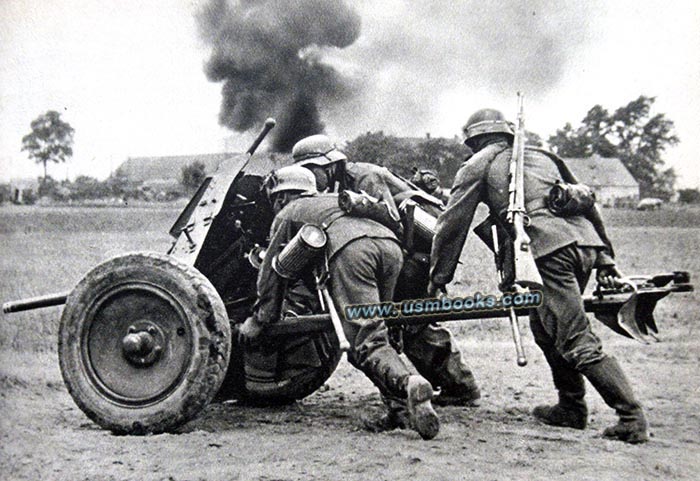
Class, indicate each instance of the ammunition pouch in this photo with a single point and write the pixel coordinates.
(566, 199)
(364, 205)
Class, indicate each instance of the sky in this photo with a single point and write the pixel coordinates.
(129, 75)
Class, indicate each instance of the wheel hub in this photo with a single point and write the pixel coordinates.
(138, 344)
(143, 343)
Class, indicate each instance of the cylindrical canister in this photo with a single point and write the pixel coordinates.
(304, 247)
(424, 224)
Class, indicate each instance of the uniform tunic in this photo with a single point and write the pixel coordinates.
(566, 249)
(364, 263)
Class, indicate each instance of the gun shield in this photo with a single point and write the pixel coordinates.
(304, 247)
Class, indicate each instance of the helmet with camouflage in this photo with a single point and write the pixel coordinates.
(291, 178)
(316, 150)
(485, 121)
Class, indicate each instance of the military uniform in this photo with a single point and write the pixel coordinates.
(364, 263)
(566, 249)
(431, 348)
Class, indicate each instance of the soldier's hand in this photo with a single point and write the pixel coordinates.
(436, 290)
(249, 332)
(608, 276)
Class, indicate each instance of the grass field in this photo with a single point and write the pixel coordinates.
(43, 435)
(47, 250)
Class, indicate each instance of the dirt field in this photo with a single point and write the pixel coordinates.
(43, 435)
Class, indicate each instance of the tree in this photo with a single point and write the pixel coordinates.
(193, 175)
(86, 187)
(120, 185)
(689, 196)
(632, 134)
(51, 140)
(445, 156)
(401, 155)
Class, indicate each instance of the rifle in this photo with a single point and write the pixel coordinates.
(526, 274)
(515, 264)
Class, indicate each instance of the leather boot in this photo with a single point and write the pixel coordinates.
(610, 381)
(422, 416)
(395, 417)
(390, 420)
(571, 410)
(469, 397)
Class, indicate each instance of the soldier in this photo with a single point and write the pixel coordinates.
(428, 180)
(364, 262)
(566, 250)
(432, 349)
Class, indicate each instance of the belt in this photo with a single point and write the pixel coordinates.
(530, 207)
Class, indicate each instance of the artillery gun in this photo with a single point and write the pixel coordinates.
(145, 339)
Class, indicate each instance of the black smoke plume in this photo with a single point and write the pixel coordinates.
(269, 56)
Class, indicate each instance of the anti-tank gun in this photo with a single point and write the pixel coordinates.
(145, 339)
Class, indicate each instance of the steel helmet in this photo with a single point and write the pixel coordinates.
(290, 178)
(316, 150)
(485, 121)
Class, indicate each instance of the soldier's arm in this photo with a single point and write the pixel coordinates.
(270, 285)
(453, 224)
(375, 184)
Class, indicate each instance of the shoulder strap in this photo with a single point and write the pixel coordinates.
(564, 171)
(333, 217)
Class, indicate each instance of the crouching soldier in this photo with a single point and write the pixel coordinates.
(431, 348)
(364, 261)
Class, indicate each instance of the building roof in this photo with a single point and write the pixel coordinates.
(601, 171)
(145, 169)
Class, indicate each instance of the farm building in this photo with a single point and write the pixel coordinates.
(608, 177)
(24, 190)
(160, 176)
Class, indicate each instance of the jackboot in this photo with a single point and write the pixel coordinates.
(422, 416)
(610, 381)
(395, 417)
(571, 410)
(434, 353)
(469, 397)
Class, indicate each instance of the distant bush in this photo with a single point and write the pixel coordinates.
(5, 193)
(689, 196)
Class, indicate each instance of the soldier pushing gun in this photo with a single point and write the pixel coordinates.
(364, 260)
(567, 242)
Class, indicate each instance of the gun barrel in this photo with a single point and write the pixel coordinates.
(269, 124)
(35, 302)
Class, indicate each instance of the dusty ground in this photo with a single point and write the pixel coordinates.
(45, 436)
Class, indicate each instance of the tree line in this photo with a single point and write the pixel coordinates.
(632, 133)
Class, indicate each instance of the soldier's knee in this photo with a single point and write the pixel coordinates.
(583, 355)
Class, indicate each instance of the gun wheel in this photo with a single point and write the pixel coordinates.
(144, 343)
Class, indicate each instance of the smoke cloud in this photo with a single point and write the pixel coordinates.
(426, 65)
(269, 56)
(417, 66)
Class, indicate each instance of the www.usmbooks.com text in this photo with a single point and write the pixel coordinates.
(421, 307)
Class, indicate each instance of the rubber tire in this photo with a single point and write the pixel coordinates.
(210, 343)
(303, 384)
(297, 387)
